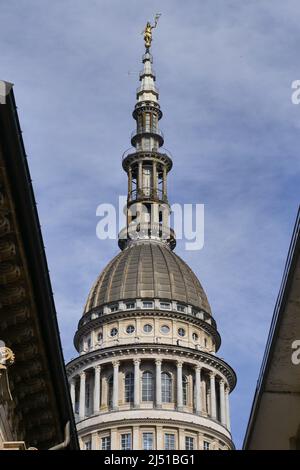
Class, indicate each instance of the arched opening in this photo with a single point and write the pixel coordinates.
(166, 387)
(129, 387)
(110, 384)
(147, 386)
(185, 385)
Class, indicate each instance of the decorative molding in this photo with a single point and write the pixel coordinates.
(122, 352)
(157, 421)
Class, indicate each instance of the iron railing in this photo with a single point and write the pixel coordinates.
(154, 194)
(158, 151)
(147, 130)
(134, 231)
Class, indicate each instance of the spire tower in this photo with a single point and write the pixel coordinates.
(147, 165)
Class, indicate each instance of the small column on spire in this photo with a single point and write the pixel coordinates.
(154, 178)
(164, 182)
(140, 177)
(129, 183)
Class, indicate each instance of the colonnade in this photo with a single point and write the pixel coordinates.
(219, 409)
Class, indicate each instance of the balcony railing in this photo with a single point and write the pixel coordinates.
(147, 230)
(147, 130)
(154, 194)
(158, 151)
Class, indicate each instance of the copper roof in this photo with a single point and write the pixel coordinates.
(147, 270)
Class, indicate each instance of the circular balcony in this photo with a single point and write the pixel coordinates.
(146, 231)
(147, 194)
(161, 155)
(147, 131)
(159, 151)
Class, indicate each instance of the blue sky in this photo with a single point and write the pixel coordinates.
(224, 70)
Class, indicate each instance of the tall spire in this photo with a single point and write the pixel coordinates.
(147, 164)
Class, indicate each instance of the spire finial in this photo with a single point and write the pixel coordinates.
(148, 31)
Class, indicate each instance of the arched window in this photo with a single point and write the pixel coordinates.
(110, 383)
(147, 386)
(185, 389)
(166, 387)
(129, 387)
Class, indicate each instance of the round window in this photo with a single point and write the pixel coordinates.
(130, 329)
(181, 332)
(147, 328)
(113, 332)
(195, 337)
(165, 329)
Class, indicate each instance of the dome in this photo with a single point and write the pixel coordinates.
(147, 270)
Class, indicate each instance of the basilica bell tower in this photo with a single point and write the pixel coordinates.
(147, 375)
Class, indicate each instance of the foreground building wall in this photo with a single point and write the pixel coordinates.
(35, 406)
(274, 421)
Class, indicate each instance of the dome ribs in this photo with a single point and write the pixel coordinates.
(147, 270)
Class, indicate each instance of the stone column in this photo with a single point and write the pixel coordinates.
(116, 385)
(158, 383)
(181, 439)
(179, 386)
(198, 395)
(199, 440)
(129, 182)
(154, 178)
(213, 409)
(159, 438)
(164, 181)
(222, 403)
(82, 396)
(115, 445)
(135, 438)
(72, 392)
(140, 175)
(136, 400)
(97, 371)
(95, 441)
(203, 389)
(227, 408)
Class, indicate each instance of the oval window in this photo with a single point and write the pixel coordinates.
(130, 329)
(165, 329)
(147, 328)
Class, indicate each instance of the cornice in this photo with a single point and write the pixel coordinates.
(130, 421)
(109, 317)
(179, 352)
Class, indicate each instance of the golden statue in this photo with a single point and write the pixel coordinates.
(7, 357)
(148, 31)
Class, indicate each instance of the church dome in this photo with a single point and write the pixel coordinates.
(147, 270)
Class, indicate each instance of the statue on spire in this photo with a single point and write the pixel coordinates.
(148, 31)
